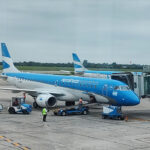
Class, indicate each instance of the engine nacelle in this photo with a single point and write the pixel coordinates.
(45, 100)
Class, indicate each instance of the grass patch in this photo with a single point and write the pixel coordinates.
(42, 68)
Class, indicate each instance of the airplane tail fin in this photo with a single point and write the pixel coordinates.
(78, 66)
(7, 62)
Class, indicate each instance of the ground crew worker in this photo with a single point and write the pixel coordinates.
(15, 103)
(24, 96)
(80, 103)
(44, 113)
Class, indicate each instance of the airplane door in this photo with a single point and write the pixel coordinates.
(15, 81)
(105, 90)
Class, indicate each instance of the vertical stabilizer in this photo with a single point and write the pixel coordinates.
(7, 62)
(78, 66)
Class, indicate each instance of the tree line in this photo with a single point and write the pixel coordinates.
(86, 64)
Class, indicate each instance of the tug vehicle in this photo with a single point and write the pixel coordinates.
(112, 112)
(18, 105)
(72, 111)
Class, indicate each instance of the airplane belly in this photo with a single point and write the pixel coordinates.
(101, 99)
(73, 95)
(11, 81)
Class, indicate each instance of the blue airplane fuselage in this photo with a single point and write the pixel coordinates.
(115, 91)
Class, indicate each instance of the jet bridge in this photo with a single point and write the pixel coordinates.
(139, 82)
(146, 79)
(126, 77)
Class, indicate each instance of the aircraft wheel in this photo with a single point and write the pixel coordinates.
(71, 103)
(85, 112)
(122, 118)
(55, 113)
(35, 105)
(63, 113)
(11, 110)
(25, 112)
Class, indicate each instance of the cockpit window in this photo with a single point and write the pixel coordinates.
(122, 88)
(116, 87)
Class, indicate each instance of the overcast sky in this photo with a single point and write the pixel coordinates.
(97, 30)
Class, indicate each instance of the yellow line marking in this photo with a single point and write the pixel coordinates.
(16, 144)
(1, 137)
(24, 148)
(8, 140)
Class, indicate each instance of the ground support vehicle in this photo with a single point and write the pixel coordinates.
(18, 105)
(72, 111)
(112, 112)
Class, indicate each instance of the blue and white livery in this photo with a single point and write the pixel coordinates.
(80, 69)
(47, 89)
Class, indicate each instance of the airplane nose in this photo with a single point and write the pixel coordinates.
(136, 100)
(133, 99)
(129, 98)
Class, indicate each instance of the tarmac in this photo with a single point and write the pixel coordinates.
(78, 132)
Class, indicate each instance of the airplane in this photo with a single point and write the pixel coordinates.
(128, 78)
(47, 89)
(81, 70)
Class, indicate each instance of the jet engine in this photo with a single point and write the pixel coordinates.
(45, 100)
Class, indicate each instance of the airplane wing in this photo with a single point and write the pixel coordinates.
(16, 90)
(36, 92)
(3, 77)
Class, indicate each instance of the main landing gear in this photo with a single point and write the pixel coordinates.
(70, 103)
(35, 105)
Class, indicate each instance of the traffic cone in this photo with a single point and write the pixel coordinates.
(126, 118)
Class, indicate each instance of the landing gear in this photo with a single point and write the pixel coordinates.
(35, 105)
(71, 103)
(92, 99)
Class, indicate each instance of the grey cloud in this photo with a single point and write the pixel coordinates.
(99, 30)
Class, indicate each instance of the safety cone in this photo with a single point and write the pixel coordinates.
(126, 118)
